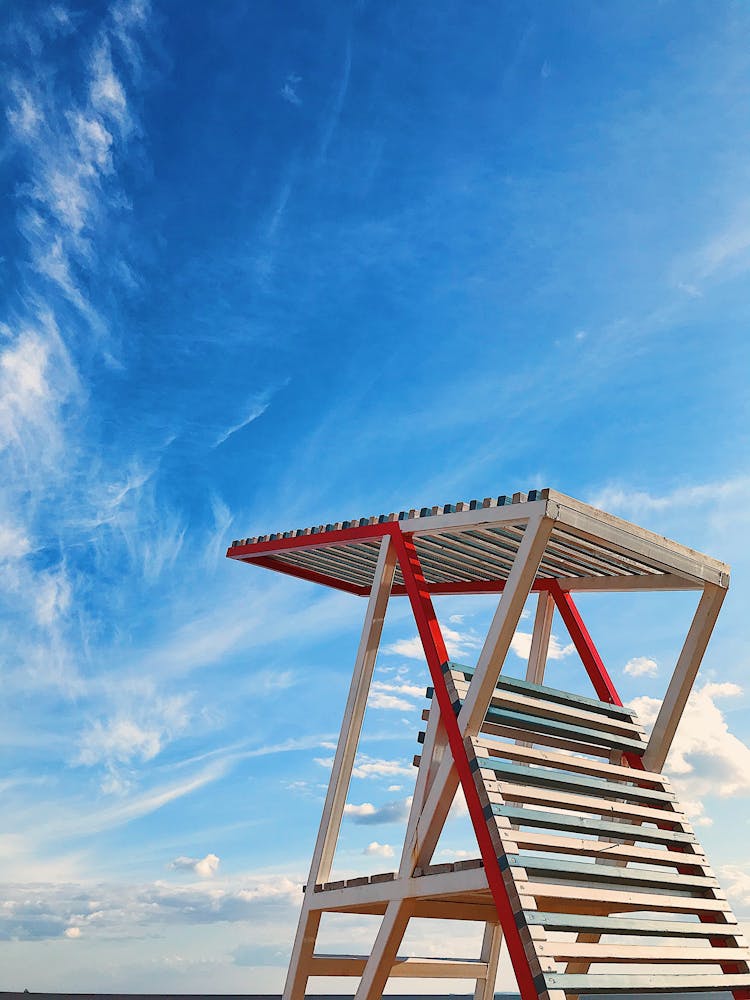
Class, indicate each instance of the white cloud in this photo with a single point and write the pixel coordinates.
(119, 740)
(26, 116)
(696, 813)
(39, 911)
(137, 733)
(458, 809)
(735, 879)
(411, 690)
(272, 681)
(411, 648)
(370, 767)
(460, 645)
(634, 503)
(366, 814)
(365, 809)
(393, 695)
(521, 646)
(706, 758)
(133, 807)
(52, 596)
(107, 92)
(204, 867)
(641, 666)
(377, 699)
(379, 850)
(14, 543)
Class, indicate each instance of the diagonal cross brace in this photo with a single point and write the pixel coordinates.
(454, 767)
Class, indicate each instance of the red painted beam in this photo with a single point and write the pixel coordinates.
(366, 532)
(473, 587)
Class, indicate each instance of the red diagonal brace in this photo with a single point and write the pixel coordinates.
(436, 655)
(605, 689)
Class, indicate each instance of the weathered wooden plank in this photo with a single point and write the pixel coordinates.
(563, 896)
(640, 953)
(406, 967)
(650, 983)
(598, 827)
(546, 778)
(607, 531)
(605, 850)
(552, 710)
(548, 693)
(567, 762)
(526, 738)
(586, 872)
(579, 734)
(576, 922)
(605, 807)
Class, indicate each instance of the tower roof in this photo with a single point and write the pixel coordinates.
(470, 547)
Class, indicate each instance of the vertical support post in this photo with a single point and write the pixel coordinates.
(540, 637)
(683, 678)
(341, 772)
(491, 943)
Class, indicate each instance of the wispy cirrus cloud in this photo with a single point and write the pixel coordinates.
(634, 502)
(257, 409)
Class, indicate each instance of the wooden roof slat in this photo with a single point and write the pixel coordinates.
(314, 562)
(462, 553)
(468, 570)
(500, 543)
(562, 566)
(575, 555)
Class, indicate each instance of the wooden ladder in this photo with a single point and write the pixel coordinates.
(611, 890)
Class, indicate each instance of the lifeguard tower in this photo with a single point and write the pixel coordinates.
(586, 863)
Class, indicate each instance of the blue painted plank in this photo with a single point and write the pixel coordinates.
(605, 984)
(538, 724)
(592, 872)
(576, 922)
(578, 824)
(548, 777)
(549, 694)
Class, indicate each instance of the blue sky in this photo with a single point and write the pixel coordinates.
(269, 265)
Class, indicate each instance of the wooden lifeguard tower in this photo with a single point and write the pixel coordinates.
(586, 863)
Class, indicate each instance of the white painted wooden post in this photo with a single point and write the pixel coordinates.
(684, 677)
(491, 944)
(545, 611)
(341, 772)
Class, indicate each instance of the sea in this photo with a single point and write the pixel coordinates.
(26, 995)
